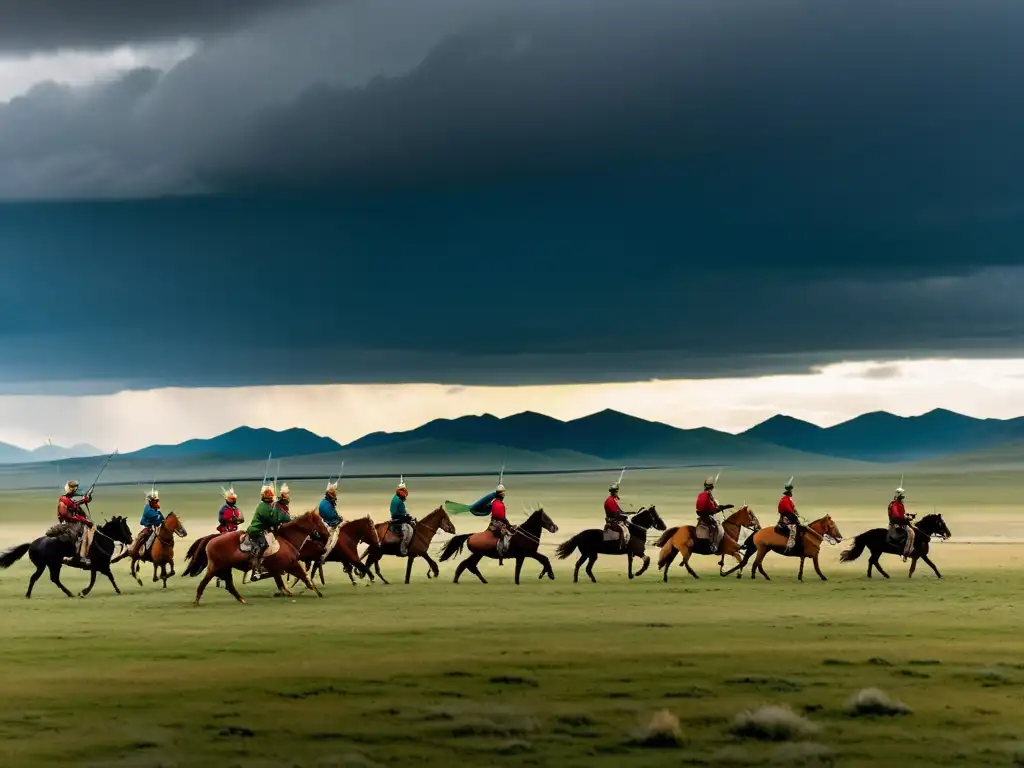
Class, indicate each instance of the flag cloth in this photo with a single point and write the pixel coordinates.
(454, 508)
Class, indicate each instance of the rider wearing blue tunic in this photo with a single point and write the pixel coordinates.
(328, 508)
(152, 519)
(402, 522)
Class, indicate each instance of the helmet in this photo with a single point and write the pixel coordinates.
(332, 490)
(153, 495)
(500, 488)
(285, 492)
(401, 484)
(229, 494)
(70, 486)
(709, 483)
(613, 488)
(900, 494)
(267, 492)
(789, 485)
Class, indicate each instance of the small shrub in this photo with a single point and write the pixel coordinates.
(773, 724)
(661, 729)
(872, 701)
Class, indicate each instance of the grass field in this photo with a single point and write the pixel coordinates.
(547, 673)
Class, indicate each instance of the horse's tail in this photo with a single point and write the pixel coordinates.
(855, 551)
(13, 555)
(666, 536)
(196, 556)
(567, 547)
(454, 545)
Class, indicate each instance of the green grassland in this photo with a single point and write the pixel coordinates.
(546, 673)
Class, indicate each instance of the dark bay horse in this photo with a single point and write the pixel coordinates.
(808, 545)
(592, 543)
(362, 530)
(524, 543)
(423, 534)
(48, 552)
(683, 540)
(162, 553)
(877, 543)
(221, 553)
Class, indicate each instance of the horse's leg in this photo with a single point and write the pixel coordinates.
(135, 568)
(110, 576)
(817, 567)
(55, 578)
(931, 565)
(576, 573)
(519, 568)
(433, 566)
(282, 588)
(408, 567)
(913, 566)
(545, 566)
(296, 569)
(590, 567)
(471, 562)
(376, 566)
(207, 578)
(800, 575)
(761, 552)
(629, 564)
(229, 584)
(877, 558)
(34, 578)
(92, 582)
(668, 563)
(686, 563)
(164, 575)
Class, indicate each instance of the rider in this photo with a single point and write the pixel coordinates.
(494, 504)
(328, 508)
(707, 508)
(900, 529)
(152, 519)
(614, 518)
(268, 515)
(402, 522)
(789, 520)
(230, 516)
(284, 500)
(70, 513)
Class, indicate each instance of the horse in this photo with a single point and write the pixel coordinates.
(808, 545)
(345, 549)
(162, 553)
(877, 542)
(592, 543)
(683, 540)
(50, 551)
(221, 553)
(523, 543)
(423, 534)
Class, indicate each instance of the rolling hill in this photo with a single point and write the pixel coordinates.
(12, 454)
(881, 436)
(243, 442)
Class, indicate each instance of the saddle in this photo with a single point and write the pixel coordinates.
(273, 545)
(61, 531)
(332, 540)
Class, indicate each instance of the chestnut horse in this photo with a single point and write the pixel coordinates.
(162, 553)
(523, 543)
(808, 544)
(423, 534)
(683, 540)
(362, 530)
(221, 553)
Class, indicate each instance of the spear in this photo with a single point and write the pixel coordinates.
(266, 468)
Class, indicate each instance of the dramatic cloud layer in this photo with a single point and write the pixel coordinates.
(481, 192)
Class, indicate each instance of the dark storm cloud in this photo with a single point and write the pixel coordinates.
(28, 26)
(499, 192)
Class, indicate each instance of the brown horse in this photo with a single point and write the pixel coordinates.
(423, 534)
(221, 553)
(808, 544)
(162, 553)
(683, 540)
(362, 530)
(523, 543)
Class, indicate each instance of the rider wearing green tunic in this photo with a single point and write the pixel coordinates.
(266, 517)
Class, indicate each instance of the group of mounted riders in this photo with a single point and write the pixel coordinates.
(273, 511)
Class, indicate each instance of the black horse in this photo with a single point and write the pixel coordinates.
(877, 542)
(50, 551)
(591, 543)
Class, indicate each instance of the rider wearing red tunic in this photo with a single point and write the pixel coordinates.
(789, 520)
(900, 529)
(614, 518)
(70, 513)
(230, 516)
(499, 525)
(707, 508)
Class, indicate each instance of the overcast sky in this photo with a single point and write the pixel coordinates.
(486, 192)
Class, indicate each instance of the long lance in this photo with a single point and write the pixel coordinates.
(266, 468)
(98, 475)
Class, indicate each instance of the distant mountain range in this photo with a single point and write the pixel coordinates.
(12, 454)
(883, 437)
(603, 439)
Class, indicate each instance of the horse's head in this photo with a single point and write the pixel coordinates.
(366, 531)
(934, 525)
(443, 521)
(313, 525)
(173, 524)
(744, 517)
(118, 530)
(648, 517)
(828, 529)
(546, 522)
